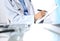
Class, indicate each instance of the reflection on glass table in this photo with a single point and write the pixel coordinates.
(42, 32)
(13, 32)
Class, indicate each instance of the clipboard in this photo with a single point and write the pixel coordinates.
(47, 14)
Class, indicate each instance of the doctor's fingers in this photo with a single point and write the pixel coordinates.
(40, 14)
(43, 13)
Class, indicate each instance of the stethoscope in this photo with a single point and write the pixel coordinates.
(17, 14)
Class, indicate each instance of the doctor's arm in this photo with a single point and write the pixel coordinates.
(39, 15)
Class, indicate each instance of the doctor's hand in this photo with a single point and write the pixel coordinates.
(39, 15)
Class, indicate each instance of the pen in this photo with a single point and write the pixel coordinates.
(8, 30)
(3, 26)
(41, 10)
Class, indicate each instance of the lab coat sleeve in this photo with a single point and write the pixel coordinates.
(24, 20)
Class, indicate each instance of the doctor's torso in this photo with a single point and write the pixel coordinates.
(14, 11)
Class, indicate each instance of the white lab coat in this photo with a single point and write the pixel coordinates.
(11, 11)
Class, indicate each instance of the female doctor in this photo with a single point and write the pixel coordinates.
(16, 12)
